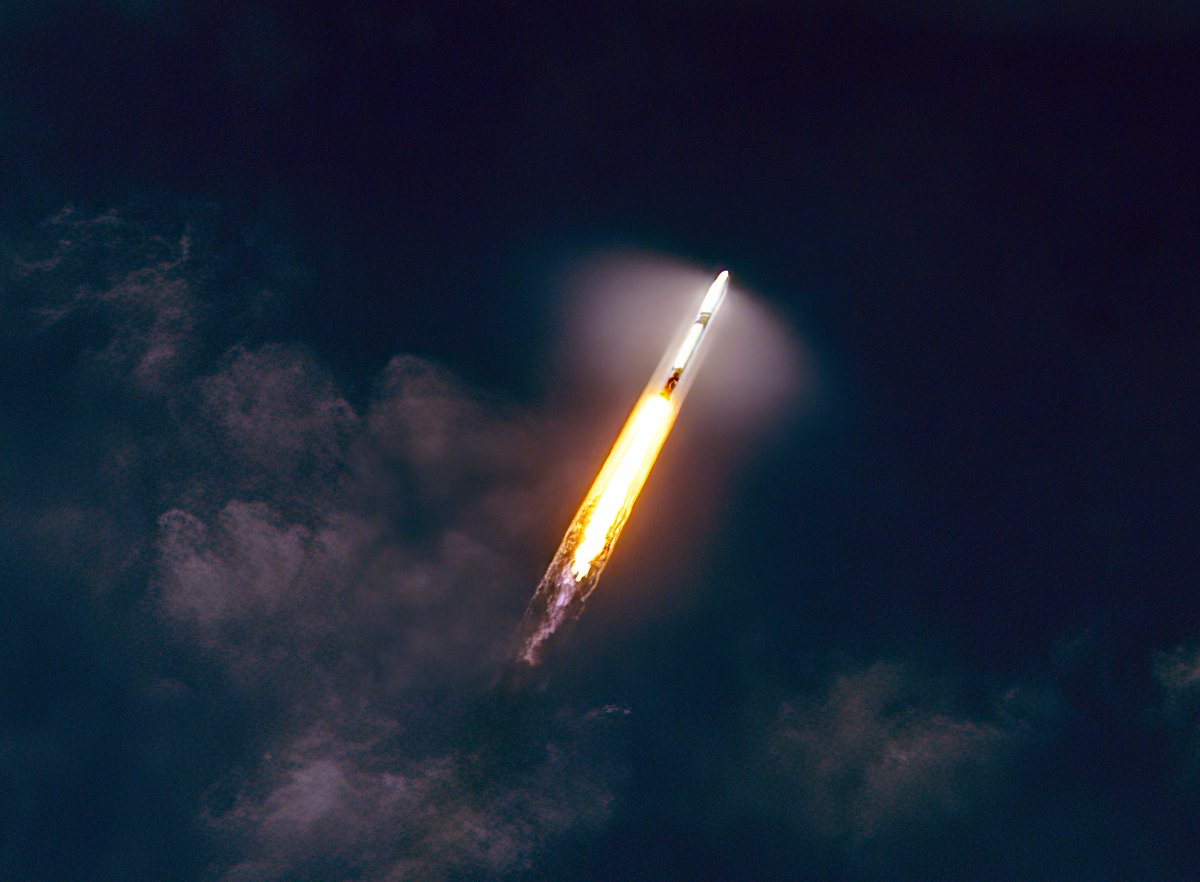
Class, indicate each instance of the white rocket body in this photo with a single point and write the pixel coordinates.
(691, 343)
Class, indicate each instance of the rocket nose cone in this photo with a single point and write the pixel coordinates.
(716, 291)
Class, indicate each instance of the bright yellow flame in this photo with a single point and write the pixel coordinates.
(621, 479)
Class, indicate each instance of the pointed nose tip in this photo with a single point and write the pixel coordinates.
(716, 291)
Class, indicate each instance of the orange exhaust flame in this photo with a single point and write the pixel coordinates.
(608, 504)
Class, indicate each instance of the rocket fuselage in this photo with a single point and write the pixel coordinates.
(691, 343)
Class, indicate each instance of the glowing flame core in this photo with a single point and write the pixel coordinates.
(608, 503)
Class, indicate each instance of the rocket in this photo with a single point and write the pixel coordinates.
(589, 541)
(708, 306)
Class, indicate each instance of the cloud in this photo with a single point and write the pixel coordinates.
(353, 570)
(363, 810)
(882, 753)
(112, 272)
(1178, 674)
(304, 516)
(279, 412)
(244, 566)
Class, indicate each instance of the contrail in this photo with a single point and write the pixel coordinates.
(589, 540)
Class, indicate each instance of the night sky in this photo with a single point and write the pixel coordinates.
(307, 359)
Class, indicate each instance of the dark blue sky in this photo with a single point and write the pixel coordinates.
(281, 294)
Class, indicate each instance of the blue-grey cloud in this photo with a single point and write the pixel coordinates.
(1178, 674)
(883, 752)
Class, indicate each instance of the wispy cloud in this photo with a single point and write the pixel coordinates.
(1178, 674)
(882, 751)
(115, 274)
